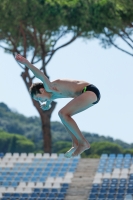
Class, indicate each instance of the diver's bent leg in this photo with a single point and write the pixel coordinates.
(75, 142)
(71, 126)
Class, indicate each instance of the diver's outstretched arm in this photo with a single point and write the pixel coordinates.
(36, 72)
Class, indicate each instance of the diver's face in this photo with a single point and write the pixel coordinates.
(41, 97)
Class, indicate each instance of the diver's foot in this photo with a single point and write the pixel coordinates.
(69, 153)
(81, 148)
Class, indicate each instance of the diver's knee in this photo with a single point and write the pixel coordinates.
(63, 114)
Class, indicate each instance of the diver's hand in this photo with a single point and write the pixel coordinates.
(21, 59)
(45, 106)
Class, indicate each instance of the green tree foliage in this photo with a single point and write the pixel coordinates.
(30, 140)
(105, 147)
(15, 143)
(111, 20)
(61, 146)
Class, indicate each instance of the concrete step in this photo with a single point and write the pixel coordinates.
(82, 180)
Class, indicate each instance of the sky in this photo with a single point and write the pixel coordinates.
(108, 69)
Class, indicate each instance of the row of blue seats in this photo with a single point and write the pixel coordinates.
(113, 185)
(116, 155)
(112, 192)
(119, 198)
(39, 170)
(46, 166)
(108, 196)
(39, 191)
(102, 165)
(113, 160)
(109, 170)
(28, 179)
(116, 159)
(116, 180)
(42, 194)
(116, 184)
(32, 198)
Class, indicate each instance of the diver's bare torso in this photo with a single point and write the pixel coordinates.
(63, 88)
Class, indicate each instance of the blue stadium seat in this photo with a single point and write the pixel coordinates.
(92, 196)
(102, 162)
(112, 191)
(57, 165)
(7, 195)
(16, 195)
(130, 186)
(37, 190)
(101, 196)
(9, 179)
(129, 191)
(28, 174)
(52, 195)
(123, 180)
(55, 169)
(109, 170)
(14, 184)
(131, 175)
(25, 195)
(45, 190)
(101, 199)
(34, 179)
(61, 195)
(53, 174)
(63, 190)
(128, 155)
(103, 191)
(104, 156)
(55, 190)
(5, 184)
(26, 179)
(120, 155)
(110, 196)
(43, 194)
(119, 196)
(65, 185)
(95, 185)
(34, 195)
(114, 180)
(122, 185)
(130, 180)
(100, 170)
(126, 166)
(72, 170)
(104, 185)
(61, 174)
(94, 191)
(42, 179)
(106, 180)
(4, 174)
(118, 166)
(113, 185)
(121, 191)
(30, 198)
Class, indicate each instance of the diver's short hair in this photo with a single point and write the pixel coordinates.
(34, 88)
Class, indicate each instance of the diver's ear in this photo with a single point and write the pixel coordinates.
(41, 90)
